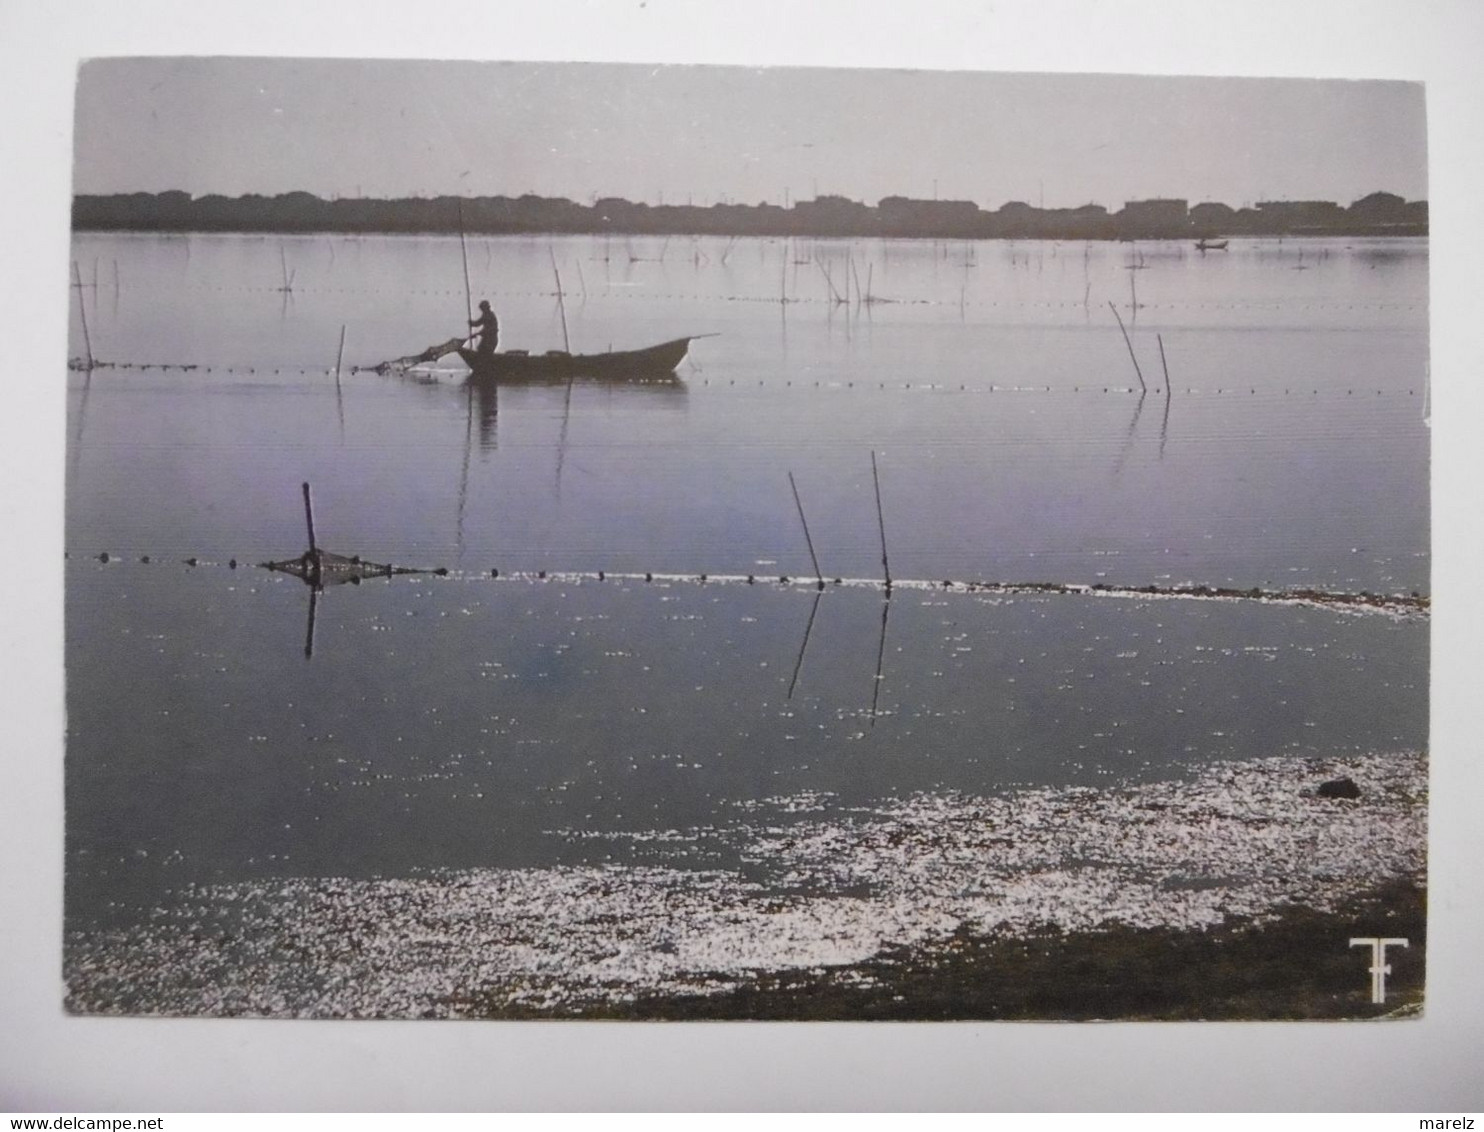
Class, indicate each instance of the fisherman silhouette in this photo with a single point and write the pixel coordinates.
(488, 328)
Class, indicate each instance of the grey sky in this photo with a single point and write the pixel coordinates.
(388, 128)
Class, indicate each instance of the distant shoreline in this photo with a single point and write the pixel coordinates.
(1379, 214)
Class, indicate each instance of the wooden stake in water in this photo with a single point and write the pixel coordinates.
(561, 305)
(309, 629)
(803, 648)
(809, 541)
(886, 604)
(339, 398)
(1164, 425)
(880, 657)
(880, 522)
(464, 251)
(1130, 346)
(834, 294)
(83, 314)
(309, 521)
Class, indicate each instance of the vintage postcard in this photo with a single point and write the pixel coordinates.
(621, 542)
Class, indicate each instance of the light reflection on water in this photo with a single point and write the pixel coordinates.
(456, 722)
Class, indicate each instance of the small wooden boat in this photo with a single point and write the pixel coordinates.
(1211, 245)
(653, 361)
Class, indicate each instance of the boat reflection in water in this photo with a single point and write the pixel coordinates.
(649, 372)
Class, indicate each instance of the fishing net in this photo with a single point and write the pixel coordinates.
(431, 354)
(322, 568)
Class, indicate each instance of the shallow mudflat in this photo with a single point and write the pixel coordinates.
(860, 895)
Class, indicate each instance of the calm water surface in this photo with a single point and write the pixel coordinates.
(469, 721)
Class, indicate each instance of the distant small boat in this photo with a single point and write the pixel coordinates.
(652, 361)
(1211, 245)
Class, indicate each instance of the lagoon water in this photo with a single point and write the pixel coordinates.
(481, 722)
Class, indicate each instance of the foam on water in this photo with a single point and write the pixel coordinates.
(1241, 839)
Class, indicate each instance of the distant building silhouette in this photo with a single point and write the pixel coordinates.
(1154, 219)
(1380, 211)
(833, 216)
(1297, 217)
(1212, 219)
(903, 216)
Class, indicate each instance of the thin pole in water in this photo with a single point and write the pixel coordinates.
(818, 574)
(561, 304)
(1130, 346)
(464, 251)
(1164, 426)
(834, 294)
(339, 398)
(309, 629)
(803, 648)
(880, 521)
(82, 310)
(880, 657)
(309, 521)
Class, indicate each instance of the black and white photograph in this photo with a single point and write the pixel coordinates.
(701, 542)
